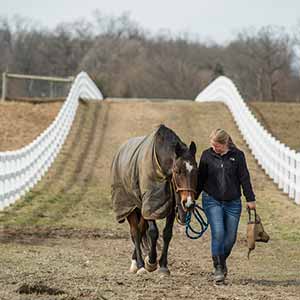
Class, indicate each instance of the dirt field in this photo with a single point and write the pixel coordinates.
(61, 241)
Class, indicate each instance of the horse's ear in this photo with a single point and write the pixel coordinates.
(178, 150)
(193, 148)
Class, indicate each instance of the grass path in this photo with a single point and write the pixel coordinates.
(63, 234)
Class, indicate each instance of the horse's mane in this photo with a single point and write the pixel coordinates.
(168, 138)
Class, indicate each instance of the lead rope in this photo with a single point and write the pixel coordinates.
(197, 210)
(189, 230)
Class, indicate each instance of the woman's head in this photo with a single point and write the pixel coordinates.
(220, 141)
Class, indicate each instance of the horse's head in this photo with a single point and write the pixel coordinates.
(184, 176)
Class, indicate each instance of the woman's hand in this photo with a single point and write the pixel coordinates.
(251, 205)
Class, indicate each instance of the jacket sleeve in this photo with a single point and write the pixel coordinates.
(244, 178)
(202, 174)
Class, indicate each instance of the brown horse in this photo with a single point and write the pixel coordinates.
(153, 177)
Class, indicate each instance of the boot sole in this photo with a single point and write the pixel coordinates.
(219, 279)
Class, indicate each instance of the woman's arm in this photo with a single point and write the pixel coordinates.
(245, 181)
(202, 174)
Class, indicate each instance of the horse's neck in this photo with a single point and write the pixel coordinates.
(165, 141)
(166, 159)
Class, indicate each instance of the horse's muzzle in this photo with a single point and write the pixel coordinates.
(188, 203)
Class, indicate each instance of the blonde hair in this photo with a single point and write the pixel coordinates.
(222, 137)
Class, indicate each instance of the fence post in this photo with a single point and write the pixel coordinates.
(293, 174)
(281, 168)
(277, 161)
(297, 185)
(286, 169)
(3, 86)
(2, 173)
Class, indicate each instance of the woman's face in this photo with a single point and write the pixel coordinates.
(219, 148)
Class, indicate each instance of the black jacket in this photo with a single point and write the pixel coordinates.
(222, 176)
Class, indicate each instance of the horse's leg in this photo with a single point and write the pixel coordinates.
(167, 236)
(133, 221)
(151, 260)
(143, 226)
(133, 267)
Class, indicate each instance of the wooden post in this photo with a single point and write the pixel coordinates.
(51, 89)
(3, 86)
(6, 76)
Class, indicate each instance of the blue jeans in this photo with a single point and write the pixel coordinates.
(223, 217)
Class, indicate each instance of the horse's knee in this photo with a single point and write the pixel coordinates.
(153, 232)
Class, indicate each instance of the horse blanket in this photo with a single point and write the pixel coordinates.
(137, 180)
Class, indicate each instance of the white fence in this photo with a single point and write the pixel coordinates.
(20, 170)
(280, 162)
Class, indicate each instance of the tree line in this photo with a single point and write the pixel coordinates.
(125, 60)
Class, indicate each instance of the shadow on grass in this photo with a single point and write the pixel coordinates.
(40, 234)
(269, 283)
(59, 172)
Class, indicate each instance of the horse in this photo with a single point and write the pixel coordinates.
(153, 177)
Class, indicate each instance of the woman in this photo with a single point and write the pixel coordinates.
(222, 173)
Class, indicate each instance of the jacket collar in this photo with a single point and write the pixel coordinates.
(230, 151)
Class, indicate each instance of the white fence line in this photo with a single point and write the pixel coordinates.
(20, 170)
(280, 162)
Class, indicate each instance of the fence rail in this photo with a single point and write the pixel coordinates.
(20, 170)
(6, 76)
(280, 162)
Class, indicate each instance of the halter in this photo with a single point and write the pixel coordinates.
(197, 211)
(178, 188)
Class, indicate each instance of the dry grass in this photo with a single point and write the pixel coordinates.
(280, 119)
(21, 123)
(63, 235)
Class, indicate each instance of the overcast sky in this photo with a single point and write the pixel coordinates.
(217, 20)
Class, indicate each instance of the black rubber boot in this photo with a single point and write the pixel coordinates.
(219, 267)
(225, 269)
(225, 265)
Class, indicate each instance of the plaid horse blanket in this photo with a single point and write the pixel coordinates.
(137, 180)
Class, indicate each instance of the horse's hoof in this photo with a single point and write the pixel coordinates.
(141, 271)
(133, 267)
(164, 271)
(148, 266)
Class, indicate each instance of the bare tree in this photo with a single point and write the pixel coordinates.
(265, 56)
(127, 61)
(6, 44)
